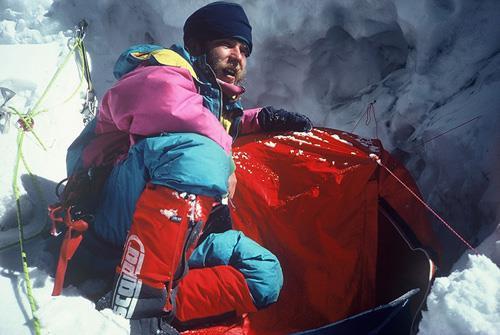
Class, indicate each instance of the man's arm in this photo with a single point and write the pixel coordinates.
(269, 119)
(156, 99)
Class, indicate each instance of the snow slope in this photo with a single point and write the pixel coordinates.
(430, 65)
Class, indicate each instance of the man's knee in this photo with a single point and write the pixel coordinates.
(260, 267)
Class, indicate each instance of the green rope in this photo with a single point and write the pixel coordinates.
(41, 195)
(75, 91)
(27, 119)
(15, 188)
(75, 45)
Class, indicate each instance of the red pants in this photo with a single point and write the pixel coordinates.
(165, 228)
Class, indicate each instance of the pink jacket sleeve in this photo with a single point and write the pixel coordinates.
(249, 121)
(155, 99)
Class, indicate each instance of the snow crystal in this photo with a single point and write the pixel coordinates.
(292, 138)
(368, 143)
(168, 213)
(310, 135)
(241, 155)
(337, 137)
(195, 211)
(270, 144)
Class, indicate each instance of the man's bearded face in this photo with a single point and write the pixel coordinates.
(228, 59)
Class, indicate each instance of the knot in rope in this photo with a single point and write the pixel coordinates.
(25, 122)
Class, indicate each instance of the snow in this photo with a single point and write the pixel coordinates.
(428, 66)
(270, 144)
(468, 300)
(465, 302)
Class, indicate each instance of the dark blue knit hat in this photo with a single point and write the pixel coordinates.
(219, 20)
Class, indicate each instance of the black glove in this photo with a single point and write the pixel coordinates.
(271, 119)
(218, 221)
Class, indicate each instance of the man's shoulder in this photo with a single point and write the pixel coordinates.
(151, 54)
(171, 57)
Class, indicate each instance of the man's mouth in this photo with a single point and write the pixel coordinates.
(230, 71)
(229, 74)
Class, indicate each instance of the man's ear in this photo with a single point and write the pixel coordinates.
(194, 47)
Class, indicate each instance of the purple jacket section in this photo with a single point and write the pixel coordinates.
(149, 101)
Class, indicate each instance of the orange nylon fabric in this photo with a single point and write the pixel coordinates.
(312, 199)
(212, 291)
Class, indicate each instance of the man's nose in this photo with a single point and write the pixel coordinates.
(237, 54)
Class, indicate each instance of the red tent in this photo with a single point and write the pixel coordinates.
(349, 236)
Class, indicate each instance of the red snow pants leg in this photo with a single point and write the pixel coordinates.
(165, 227)
(213, 291)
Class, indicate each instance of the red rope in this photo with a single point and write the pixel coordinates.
(447, 225)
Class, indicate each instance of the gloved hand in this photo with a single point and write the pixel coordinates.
(271, 119)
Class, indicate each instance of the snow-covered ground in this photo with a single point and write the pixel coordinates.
(430, 65)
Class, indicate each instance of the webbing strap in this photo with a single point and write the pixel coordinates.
(72, 239)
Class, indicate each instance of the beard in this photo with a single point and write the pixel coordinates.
(226, 70)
